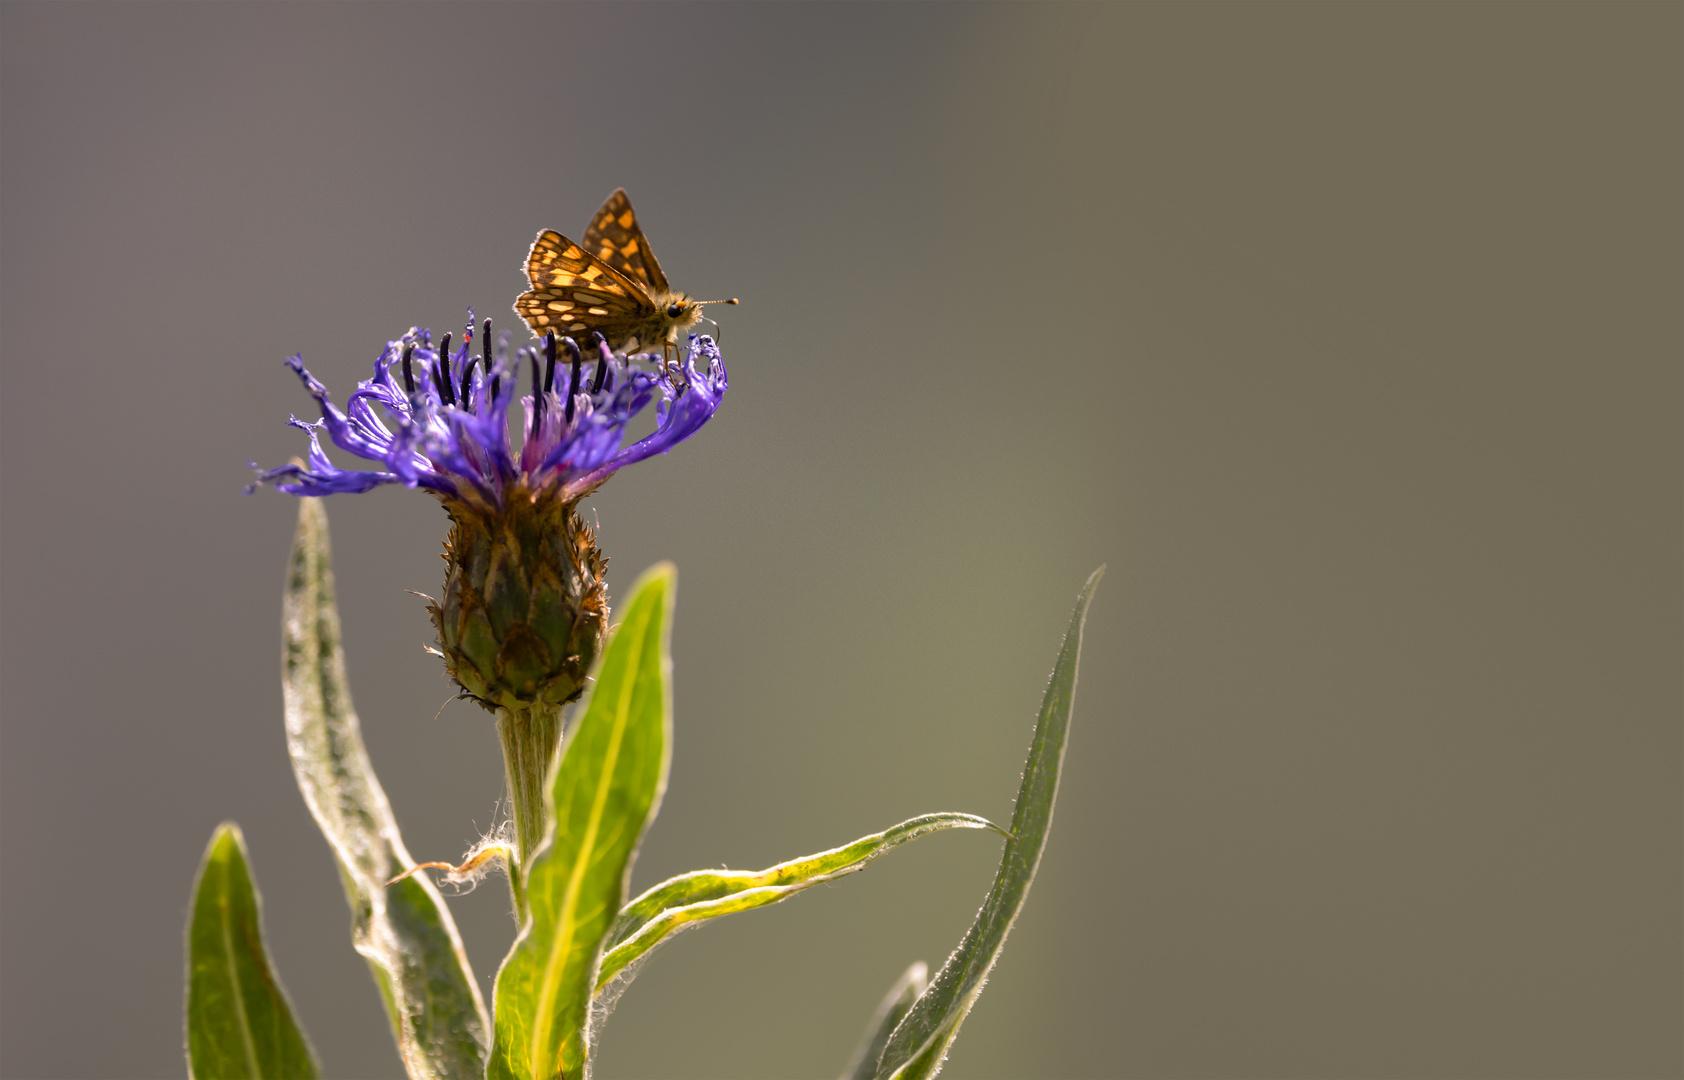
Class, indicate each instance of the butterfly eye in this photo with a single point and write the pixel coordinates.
(674, 310)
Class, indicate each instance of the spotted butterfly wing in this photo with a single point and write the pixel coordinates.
(615, 237)
(574, 292)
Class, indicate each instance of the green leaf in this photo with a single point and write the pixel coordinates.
(686, 900)
(607, 786)
(239, 1021)
(919, 1045)
(893, 1009)
(405, 932)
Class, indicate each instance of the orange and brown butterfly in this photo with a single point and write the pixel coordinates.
(610, 282)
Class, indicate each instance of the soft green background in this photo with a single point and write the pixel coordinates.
(1347, 335)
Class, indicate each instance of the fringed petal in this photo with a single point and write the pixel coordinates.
(450, 434)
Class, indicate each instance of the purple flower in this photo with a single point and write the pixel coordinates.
(439, 420)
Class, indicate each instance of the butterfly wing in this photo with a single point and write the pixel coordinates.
(574, 292)
(615, 237)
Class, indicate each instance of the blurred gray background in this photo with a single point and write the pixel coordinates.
(1347, 336)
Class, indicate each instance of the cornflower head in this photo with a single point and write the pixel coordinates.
(524, 606)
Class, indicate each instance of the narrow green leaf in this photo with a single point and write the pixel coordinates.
(895, 1005)
(606, 788)
(688, 899)
(405, 932)
(239, 1022)
(919, 1045)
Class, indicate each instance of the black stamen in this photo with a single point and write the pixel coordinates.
(409, 367)
(538, 395)
(468, 383)
(603, 376)
(485, 346)
(549, 360)
(573, 379)
(447, 389)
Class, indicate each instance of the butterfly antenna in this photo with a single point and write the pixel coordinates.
(703, 303)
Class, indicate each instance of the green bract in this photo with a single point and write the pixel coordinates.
(405, 931)
(919, 1043)
(239, 1022)
(524, 607)
(606, 788)
(705, 894)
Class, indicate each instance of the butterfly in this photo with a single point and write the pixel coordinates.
(611, 282)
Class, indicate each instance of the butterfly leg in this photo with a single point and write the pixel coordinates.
(669, 362)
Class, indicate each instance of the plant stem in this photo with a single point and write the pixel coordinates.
(529, 736)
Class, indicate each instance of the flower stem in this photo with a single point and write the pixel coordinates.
(529, 738)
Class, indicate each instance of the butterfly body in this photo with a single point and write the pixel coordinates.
(610, 283)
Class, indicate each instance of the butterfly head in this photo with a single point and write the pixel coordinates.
(682, 311)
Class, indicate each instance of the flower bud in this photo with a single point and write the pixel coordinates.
(524, 607)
